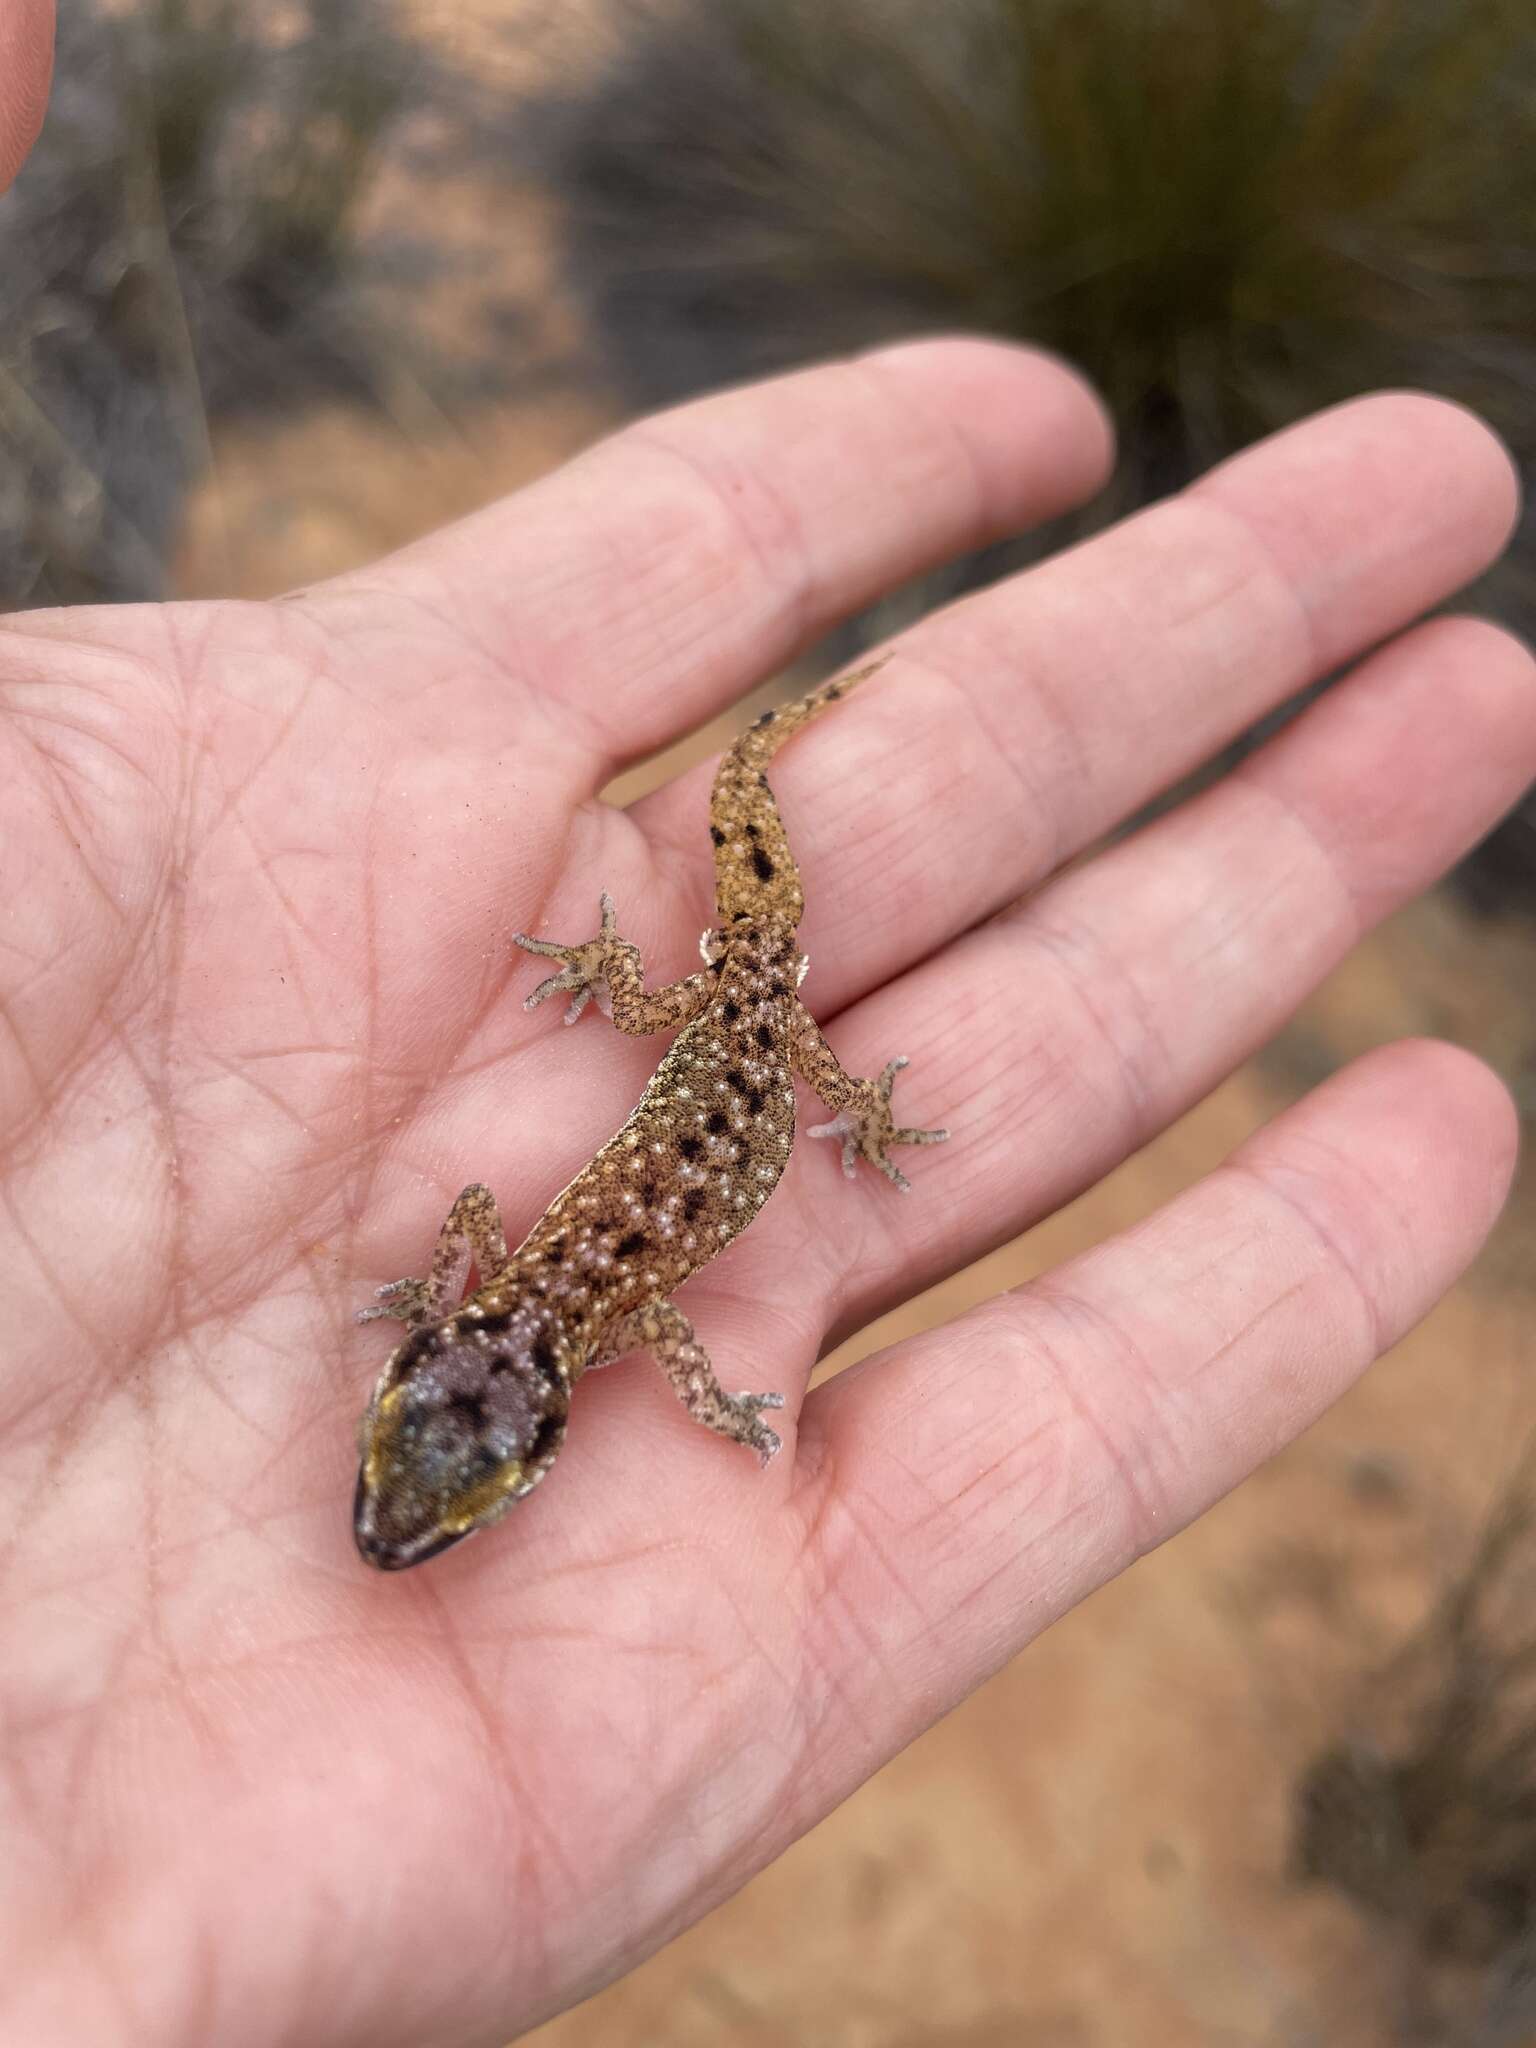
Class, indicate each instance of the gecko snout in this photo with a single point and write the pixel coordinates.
(463, 1423)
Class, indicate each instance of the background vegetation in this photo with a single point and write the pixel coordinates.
(1229, 215)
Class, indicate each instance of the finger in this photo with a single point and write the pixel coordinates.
(970, 1485)
(657, 577)
(1059, 1039)
(26, 64)
(1055, 1040)
(1015, 728)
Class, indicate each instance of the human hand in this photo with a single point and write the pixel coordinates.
(26, 59)
(263, 1021)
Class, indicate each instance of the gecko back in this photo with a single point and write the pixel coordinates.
(471, 1408)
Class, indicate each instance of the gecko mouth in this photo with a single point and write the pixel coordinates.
(390, 1550)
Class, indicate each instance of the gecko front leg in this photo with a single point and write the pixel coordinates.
(608, 969)
(863, 1121)
(471, 1231)
(667, 1334)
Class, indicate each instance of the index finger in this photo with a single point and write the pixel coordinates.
(656, 578)
(26, 66)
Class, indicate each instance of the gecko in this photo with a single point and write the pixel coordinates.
(471, 1408)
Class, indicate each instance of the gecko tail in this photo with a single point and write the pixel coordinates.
(755, 872)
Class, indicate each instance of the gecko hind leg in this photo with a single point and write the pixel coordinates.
(667, 1334)
(471, 1231)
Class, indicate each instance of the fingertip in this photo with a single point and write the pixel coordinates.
(1460, 1120)
(1440, 433)
(1402, 1162)
(1461, 437)
(1373, 511)
(1044, 437)
(1490, 641)
(1453, 448)
(1490, 671)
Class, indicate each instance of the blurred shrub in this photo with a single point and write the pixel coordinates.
(1229, 212)
(184, 244)
(1424, 1817)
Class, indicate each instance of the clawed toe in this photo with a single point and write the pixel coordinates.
(581, 975)
(403, 1301)
(867, 1129)
(848, 1128)
(757, 1435)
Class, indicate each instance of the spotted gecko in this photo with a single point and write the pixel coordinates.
(471, 1408)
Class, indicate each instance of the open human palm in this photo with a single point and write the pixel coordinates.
(263, 1020)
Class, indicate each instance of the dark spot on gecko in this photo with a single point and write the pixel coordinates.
(547, 1441)
(554, 1255)
(756, 1101)
(764, 1037)
(730, 1011)
(735, 1078)
(693, 1202)
(765, 718)
(717, 835)
(834, 691)
(762, 866)
(471, 1405)
(776, 987)
(690, 1147)
(717, 1121)
(716, 965)
(541, 1355)
(628, 1246)
(493, 1326)
(753, 832)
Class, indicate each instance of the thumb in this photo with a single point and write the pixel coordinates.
(26, 66)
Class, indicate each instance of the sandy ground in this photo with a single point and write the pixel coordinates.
(1093, 1853)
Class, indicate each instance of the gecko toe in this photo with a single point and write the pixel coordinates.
(867, 1129)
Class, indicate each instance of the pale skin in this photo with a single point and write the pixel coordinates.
(263, 1021)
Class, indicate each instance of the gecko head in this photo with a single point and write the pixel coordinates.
(467, 1417)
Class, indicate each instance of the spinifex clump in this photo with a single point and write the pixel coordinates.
(1228, 215)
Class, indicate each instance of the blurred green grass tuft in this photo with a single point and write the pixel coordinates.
(1229, 215)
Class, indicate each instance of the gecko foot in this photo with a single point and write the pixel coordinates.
(742, 1422)
(584, 975)
(407, 1301)
(866, 1127)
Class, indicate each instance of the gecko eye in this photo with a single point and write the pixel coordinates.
(464, 1421)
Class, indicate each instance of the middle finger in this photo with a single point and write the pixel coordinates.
(1017, 726)
(1064, 1035)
